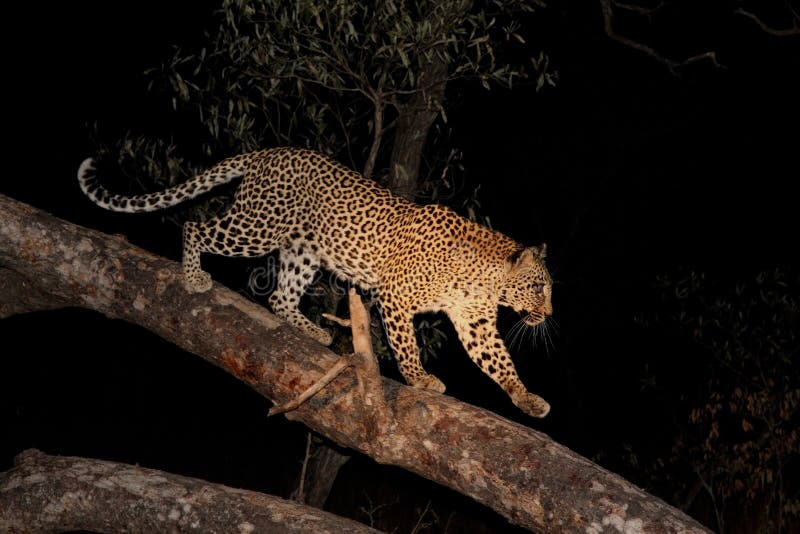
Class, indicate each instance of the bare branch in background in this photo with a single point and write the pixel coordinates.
(794, 30)
(607, 6)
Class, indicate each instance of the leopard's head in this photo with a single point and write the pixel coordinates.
(527, 288)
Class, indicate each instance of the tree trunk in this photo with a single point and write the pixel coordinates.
(323, 467)
(522, 474)
(413, 123)
(56, 494)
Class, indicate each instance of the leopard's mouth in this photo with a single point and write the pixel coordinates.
(533, 319)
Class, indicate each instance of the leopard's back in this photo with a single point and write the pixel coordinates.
(347, 221)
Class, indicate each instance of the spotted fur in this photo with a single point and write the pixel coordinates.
(319, 214)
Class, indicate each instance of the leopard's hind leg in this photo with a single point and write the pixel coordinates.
(297, 269)
(234, 234)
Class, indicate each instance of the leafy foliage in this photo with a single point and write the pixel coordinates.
(741, 442)
(314, 73)
(332, 75)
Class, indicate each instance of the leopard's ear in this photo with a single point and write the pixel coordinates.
(523, 256)
(536, 253)
(513, 259)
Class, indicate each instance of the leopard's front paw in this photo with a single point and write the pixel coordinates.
(429, 382)
(198, 282)
(531, 404)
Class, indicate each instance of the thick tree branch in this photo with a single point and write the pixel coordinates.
(45, 493)
(521, 473)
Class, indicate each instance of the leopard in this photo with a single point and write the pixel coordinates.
(414, 258)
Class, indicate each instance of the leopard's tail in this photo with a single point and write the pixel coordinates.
(219, 174)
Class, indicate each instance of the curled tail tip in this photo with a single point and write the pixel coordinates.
(87, 181)
(86, 169)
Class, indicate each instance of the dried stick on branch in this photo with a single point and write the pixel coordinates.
(368, 373)
(43, 493)
(341, 364)
(522, 474)
(363, 359)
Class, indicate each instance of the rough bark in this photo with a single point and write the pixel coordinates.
(56, 494)
(522, 474)
(20, 296)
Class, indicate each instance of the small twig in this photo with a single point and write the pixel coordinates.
(338, 320)
(420, 525)
(300, 494)
(645, 11)
(717, 511)
(371, 512)
(691, 495)
(340, 365)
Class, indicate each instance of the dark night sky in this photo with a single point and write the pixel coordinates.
(695, 164)
(626, 170)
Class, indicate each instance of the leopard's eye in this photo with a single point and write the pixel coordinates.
(538, 289)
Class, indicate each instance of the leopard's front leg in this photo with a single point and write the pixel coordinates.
(478, 333)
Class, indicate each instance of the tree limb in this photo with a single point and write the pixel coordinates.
(43, 493)
(522, 474)
(608, 24)
(783, 32)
